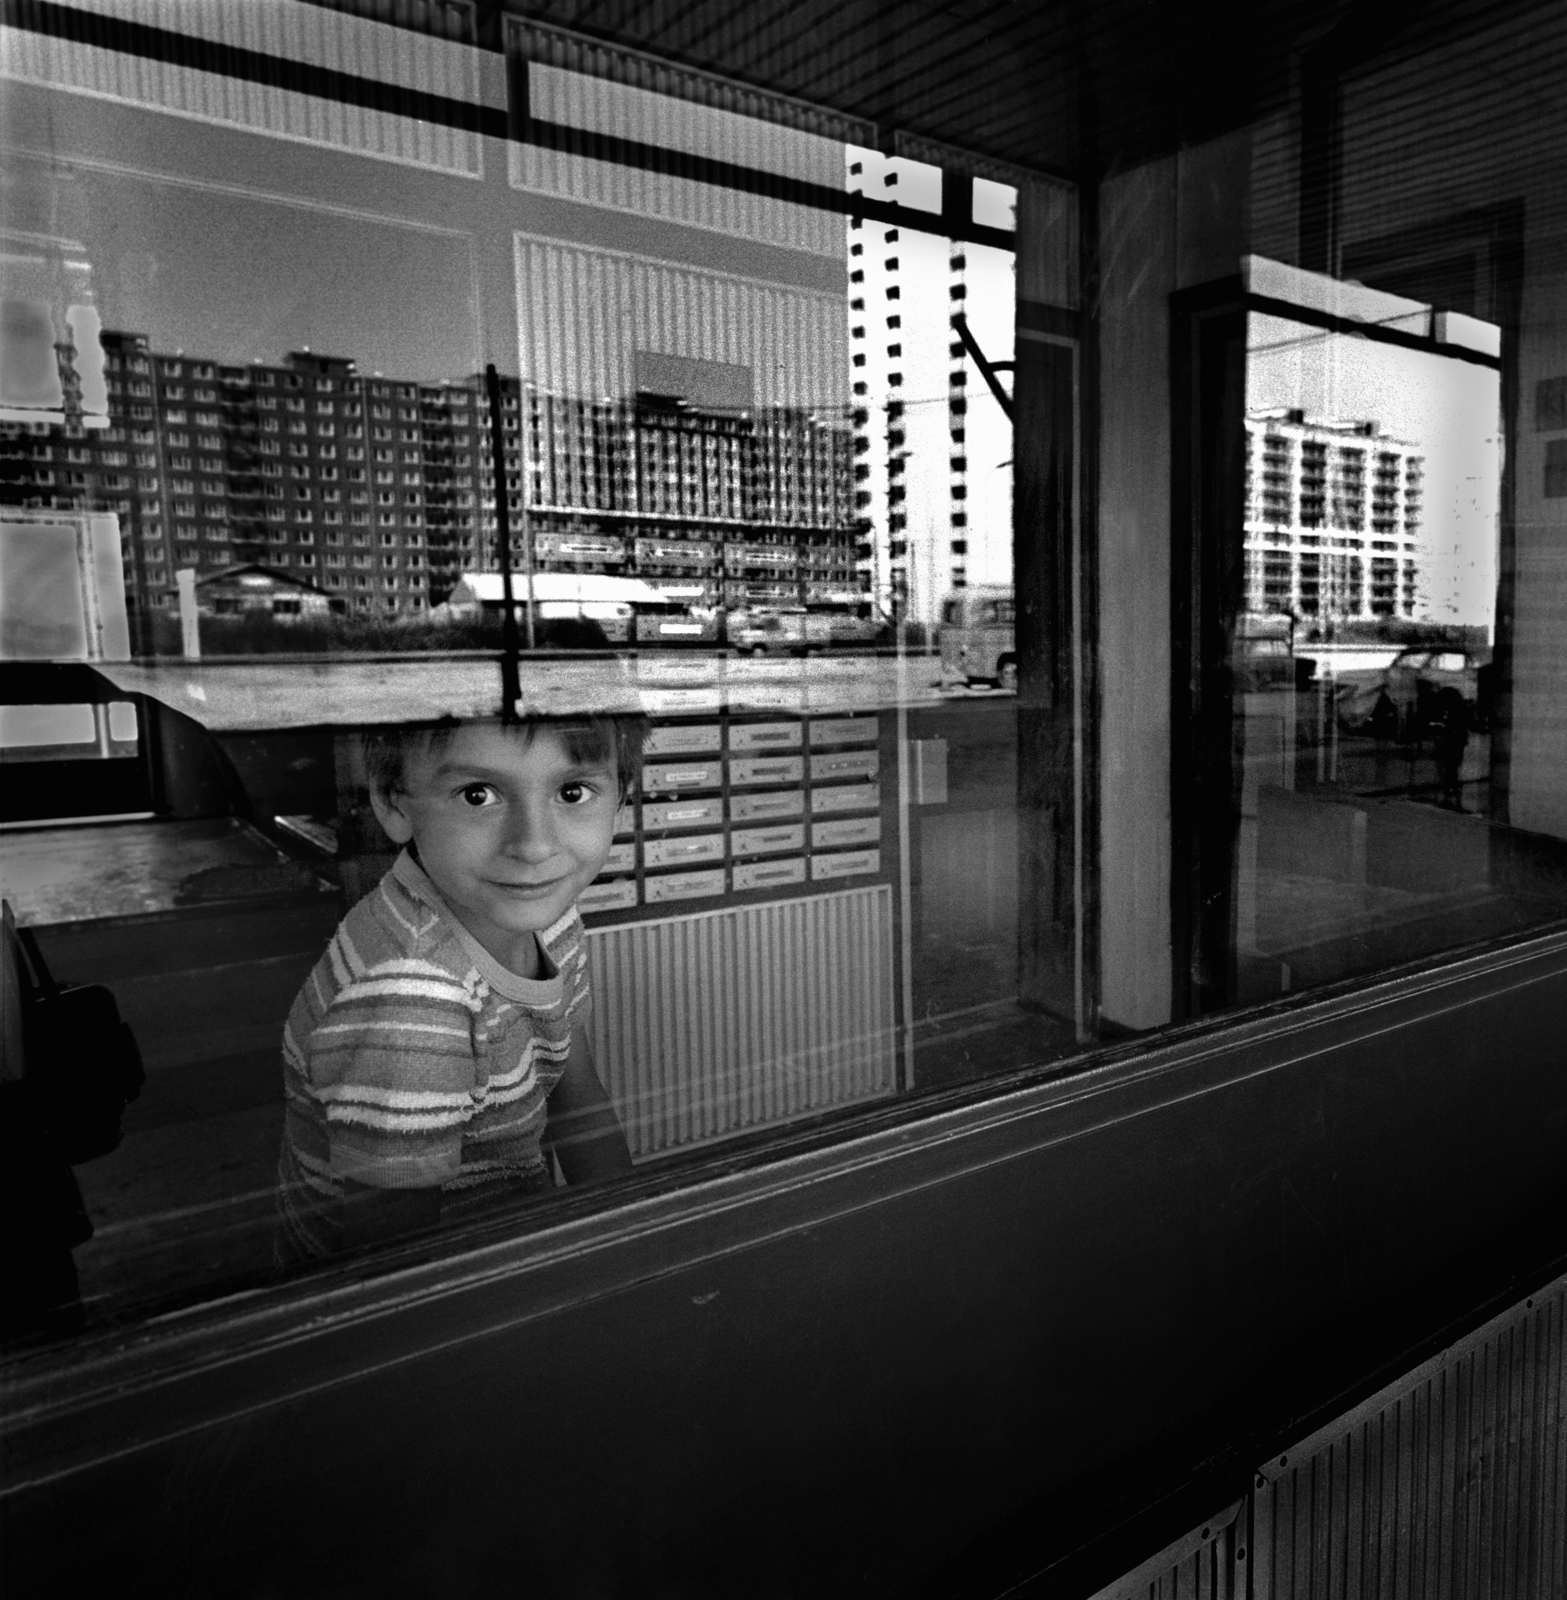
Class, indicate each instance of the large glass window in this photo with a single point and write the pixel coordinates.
(685, 403)
(1364, 661)
(992, 672)
(1353, 751)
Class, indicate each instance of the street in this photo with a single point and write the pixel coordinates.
(237, 695)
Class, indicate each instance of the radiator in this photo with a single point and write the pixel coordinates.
(1447, 1485)
(1451, 1483)
(707, 1024)
(1202, 1566)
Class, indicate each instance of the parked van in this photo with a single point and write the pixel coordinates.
(977, 640)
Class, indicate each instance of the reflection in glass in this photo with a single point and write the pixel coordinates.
(1364, 659)
(755, 440)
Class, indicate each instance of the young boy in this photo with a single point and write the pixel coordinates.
(438, 1050)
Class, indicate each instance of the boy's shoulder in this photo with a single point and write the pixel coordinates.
(394, 923)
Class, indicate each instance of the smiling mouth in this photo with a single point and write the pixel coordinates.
(529, 888)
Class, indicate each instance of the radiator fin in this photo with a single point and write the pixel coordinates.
(708, 1024)
(1201, 1566)
(1450, 1484)
(1455, 1486)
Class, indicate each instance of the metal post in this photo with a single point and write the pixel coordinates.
(987, 369)
(526, 514)
(190, 627)
(511, 688)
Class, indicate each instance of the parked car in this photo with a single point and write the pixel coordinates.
(797, 630)
(1264, 651)
(794, 632)
(1397, 703)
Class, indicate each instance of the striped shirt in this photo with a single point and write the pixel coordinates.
(413, 1059)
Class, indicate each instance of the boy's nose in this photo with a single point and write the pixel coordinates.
(532, 835)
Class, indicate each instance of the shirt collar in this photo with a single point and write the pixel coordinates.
(544, 990)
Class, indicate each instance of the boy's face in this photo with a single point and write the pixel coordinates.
(509, 828)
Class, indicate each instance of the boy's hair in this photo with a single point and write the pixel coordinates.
(615, 739)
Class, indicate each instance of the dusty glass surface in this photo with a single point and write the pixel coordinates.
(1017, 671)
(752, 413)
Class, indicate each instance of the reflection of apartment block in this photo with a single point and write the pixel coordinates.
(1333, 519)
(380, 492)
(699, 436)
(732, 507)
(344, 501)
(306, 468)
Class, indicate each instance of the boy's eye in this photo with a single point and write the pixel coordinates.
(478, 794)
(575, 793)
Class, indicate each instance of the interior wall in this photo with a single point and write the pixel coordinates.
(1539, 767)
(1137, 273)
(1171, 224)
(1045, 573)
(1477, 126)
(1047, 244)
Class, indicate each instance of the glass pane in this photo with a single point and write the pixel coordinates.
(249, 447)
(1367, 706)
(676, 408)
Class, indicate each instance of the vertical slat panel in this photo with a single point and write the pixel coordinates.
(1447, 1487)
(571, 344)
(1451, 1485)
(312, 36)
(569, 95)
(711, 1023)
(1200, 1567)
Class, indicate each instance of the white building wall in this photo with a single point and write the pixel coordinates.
(900, 321)
(991, 280)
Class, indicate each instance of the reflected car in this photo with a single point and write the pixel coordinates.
(1396, 702)
(790, 631)
(1264, 663)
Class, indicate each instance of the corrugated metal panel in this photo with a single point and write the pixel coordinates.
(311, 35)
(707, 1024)
(597, 58)
(1199, 1567)
(584, 313)
(1451, 1483)
(640, 115)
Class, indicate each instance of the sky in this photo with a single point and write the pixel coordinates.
(243, 277)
